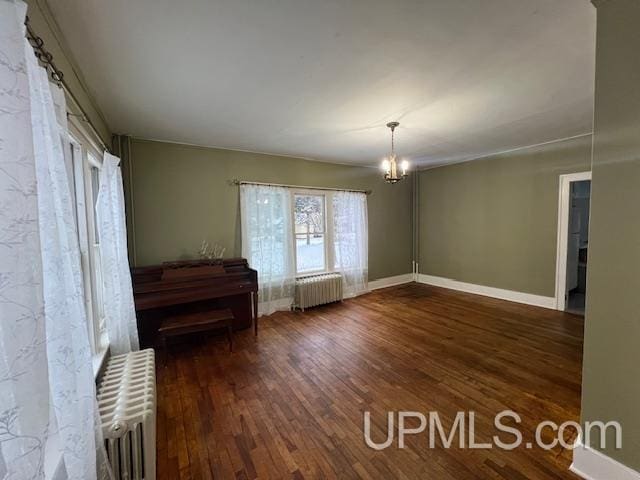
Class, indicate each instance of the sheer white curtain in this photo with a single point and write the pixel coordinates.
(112, 232)
(267, 243)
(47, 390)
(24, 392)
(351, 240)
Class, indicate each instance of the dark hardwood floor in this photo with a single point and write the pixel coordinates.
(290, 405)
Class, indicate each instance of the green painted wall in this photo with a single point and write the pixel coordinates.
(611, 382)
(181, 195)
(493, 221)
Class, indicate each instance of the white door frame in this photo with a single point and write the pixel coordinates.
(564, 197)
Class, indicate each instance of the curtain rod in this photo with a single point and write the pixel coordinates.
(235, 181)
(45, 57)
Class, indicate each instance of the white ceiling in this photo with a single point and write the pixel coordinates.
(321, 78)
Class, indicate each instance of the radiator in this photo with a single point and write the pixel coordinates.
(318, 290)
(127, 406)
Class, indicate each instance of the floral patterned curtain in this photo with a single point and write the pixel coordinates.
(112, 230)
(267, 243)
(48, 415)
(351, 241)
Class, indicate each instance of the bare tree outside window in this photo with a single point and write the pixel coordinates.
(309, 211)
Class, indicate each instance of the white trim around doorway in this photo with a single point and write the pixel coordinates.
(563, 233)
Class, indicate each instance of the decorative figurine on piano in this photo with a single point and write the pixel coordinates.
(210, 263)
(214, 254)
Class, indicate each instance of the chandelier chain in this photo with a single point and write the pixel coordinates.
(392, 132)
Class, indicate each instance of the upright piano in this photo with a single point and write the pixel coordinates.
(178, 288)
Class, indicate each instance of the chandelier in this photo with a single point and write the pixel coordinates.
(390, 165)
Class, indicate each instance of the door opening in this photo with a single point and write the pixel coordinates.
(573, 242)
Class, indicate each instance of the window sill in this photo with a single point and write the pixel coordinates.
(99, 358)
(97, 362)
(314, 274)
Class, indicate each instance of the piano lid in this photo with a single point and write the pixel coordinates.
(191, 280)
(185, 270)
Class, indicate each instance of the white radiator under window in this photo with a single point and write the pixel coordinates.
(318, 290)
(127, 405)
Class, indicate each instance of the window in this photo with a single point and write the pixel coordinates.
(310, 233)
(289, 233)
(84, 168)
(267, 214)
(95, 257)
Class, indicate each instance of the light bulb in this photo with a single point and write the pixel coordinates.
(386, 165)
(405, 166)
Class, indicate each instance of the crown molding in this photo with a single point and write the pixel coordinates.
(599, 3)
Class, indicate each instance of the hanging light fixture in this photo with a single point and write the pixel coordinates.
(390, 165)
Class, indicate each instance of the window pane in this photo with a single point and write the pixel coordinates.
(95, 187)
(77, 188)
(99, 287)
(96, 259)
(310, 253)
(310, 233)
(267, 224)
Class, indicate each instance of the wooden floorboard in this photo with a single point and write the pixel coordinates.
(290, 405)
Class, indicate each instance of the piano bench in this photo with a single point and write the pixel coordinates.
(197, 322)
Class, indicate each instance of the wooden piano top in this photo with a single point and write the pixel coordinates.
(158, 286)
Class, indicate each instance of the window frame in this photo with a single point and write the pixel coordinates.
(85, 155)
(329, 249)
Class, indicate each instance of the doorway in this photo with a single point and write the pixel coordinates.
(573, 242)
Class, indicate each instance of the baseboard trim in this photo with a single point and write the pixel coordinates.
(512, 296)
(391, 281)
(284, 304)
(591, 464)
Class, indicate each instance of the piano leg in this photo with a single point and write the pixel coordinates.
(230, 335)
(254, 295)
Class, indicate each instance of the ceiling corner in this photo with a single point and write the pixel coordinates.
(599, 3)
